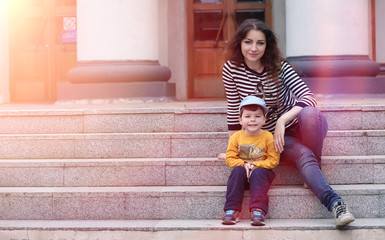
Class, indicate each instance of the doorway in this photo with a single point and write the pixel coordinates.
(42, 47)
(210, 24)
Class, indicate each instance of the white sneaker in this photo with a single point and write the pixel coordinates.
(342, 214)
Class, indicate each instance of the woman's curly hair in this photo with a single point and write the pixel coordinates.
(271, 60)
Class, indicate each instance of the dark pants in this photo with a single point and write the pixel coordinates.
(303, 147)
(260, 181)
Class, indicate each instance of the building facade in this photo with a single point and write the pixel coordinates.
(54, 50)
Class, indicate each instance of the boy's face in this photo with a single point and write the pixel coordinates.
(252, 121)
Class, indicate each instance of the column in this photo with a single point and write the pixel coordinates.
(118, 50)
(328, 43)
(4, 53)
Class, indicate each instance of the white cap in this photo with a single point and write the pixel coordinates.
(252, 100)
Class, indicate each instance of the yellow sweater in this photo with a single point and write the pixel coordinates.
(259, 150)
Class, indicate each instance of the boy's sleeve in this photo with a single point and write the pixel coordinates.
(232, 159)
(272, 159)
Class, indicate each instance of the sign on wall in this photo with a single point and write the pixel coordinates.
(69, 30)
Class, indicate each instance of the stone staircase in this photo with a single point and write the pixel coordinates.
(149, 171)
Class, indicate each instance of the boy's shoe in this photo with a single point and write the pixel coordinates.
(342, 214)
(257, 217)
(231, 217)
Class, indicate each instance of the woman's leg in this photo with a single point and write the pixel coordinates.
(311, 130)
(307, 164)
(260, 181)
(303, 147)
(235, 189)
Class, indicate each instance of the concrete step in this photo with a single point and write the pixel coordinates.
(186, 202)
(165, 145)
(320, 229)
(340, 170)
(127, 172)
(170, 117)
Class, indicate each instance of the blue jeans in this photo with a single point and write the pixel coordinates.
(260, 181)
(303, 147)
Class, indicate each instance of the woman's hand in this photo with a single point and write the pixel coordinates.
(279, 136)
(279, 132)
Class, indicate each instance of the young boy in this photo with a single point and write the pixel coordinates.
(252, 155)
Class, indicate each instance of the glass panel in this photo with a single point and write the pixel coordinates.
(250, 1)
(33, 34)
(206, 25)
(65, 3)
(208, 1)
(241, 15)
(33, 3)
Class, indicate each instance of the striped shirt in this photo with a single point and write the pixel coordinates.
(241, 81)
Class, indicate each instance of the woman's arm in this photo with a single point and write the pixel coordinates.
(232, 132)
(304, 96)
(233, 101)
(297, 86)
(232, 97)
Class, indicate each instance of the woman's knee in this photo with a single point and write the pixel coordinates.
(310, 118)
(309, 113)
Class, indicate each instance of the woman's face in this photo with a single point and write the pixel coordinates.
(253, 47)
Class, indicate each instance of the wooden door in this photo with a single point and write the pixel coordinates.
(210, 23)
(42, 40)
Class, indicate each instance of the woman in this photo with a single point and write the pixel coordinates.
(255, 67)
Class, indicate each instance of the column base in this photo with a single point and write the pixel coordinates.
(115, 90)
(382, 69)
(118, 71)
(346, 85)
(335, 66)
(117, 79)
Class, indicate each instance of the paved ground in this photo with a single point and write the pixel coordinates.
(179, 224)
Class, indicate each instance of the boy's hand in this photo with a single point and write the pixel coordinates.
(249, 168)
(222, 156)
